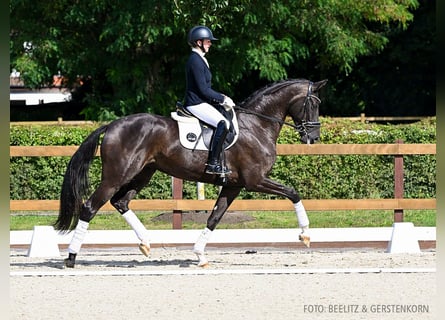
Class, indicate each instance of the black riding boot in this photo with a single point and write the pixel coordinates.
(214, 165)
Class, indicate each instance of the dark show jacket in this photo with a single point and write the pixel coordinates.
(199, 82)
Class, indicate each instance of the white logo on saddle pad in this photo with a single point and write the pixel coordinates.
(190, 132)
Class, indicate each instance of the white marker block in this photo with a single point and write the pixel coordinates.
(44, 242)
(403, 238)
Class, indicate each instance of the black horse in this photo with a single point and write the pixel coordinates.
(134, 147)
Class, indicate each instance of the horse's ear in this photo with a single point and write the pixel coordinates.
(320, 84)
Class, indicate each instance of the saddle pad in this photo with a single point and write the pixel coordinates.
(191, 134)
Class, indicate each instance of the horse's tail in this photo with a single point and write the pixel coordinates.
(76, 184)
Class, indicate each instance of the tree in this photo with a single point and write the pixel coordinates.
(402, 79)
(399, 80)
(135, 51)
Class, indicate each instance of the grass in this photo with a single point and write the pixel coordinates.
(262, 219)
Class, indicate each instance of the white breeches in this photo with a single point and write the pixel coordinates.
(208, 113)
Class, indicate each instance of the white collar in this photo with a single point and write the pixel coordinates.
(201, 54)
(198, 51)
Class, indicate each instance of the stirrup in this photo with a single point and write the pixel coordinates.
(217, 169)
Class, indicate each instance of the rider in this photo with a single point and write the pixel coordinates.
(201, 100)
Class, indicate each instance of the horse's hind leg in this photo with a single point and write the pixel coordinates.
(121, 200)
(225, 198)
(89, 210)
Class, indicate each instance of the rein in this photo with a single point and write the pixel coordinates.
(272, 119)
(301, 127)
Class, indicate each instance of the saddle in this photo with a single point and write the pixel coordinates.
(195, 134)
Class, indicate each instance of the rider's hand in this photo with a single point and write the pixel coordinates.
(228, 103)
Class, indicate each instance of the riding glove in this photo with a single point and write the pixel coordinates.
(228, 103)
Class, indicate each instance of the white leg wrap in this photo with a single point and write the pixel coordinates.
(137, 226)
(79, 235)
(303, 220)
(202, 241)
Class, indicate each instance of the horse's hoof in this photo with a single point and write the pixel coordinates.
(306, 240)
(144, 249)
(69, 263)
(203, 264)
(202, 261)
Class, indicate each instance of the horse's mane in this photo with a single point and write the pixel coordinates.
(270, 89)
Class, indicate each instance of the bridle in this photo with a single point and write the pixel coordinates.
(302, 127)
(305, 125)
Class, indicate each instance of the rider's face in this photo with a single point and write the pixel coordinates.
(206, 44)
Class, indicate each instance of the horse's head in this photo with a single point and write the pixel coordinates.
(305, 114)
(297, 98)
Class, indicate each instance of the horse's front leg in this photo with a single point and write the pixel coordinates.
(225, 198)
(269, 186)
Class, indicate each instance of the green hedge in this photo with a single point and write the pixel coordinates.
(314, 177)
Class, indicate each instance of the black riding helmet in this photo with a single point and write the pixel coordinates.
(199, 33)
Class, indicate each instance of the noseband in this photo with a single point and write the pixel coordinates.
(305, 126)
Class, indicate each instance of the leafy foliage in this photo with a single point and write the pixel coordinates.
(135, 51)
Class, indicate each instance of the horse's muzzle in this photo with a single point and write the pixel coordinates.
(308, 139)
(309, 132)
